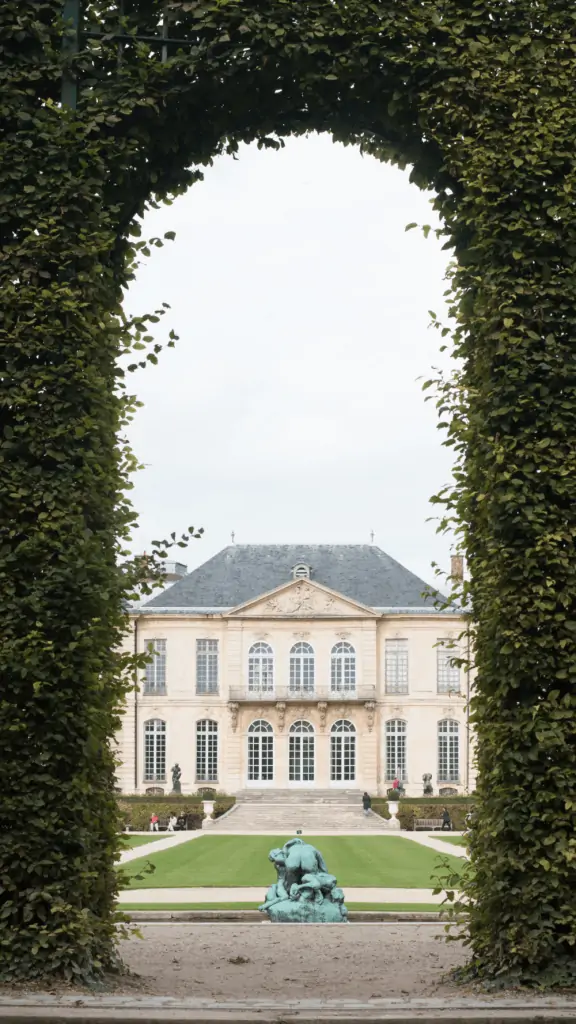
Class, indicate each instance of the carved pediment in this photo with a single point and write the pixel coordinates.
(302, 599)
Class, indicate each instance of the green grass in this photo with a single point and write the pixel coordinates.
(243, 860)
(132, 841)
(399, 907)
(455, 840)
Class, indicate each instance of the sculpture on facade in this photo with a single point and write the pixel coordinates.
(304, 890)
(176, 776)
(428, 788)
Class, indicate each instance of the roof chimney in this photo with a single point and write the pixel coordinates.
(457, 566)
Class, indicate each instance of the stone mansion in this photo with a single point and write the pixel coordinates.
(285, 666)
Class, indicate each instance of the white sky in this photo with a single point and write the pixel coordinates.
(290, 409)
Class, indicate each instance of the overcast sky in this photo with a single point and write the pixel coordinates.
(290, 410)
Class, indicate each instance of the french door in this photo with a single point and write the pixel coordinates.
(260, 753)
(301, 753)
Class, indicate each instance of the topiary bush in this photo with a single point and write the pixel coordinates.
(411, 807)
(136, 810)
(478, 100)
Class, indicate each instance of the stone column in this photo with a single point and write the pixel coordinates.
(232, 751)
(322, 748)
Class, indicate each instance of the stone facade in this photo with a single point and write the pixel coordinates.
(372, 697)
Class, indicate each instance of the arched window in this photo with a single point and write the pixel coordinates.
(343, 668)
(154, 750)
(260, 752)
(261, 668)
(396, 750)
(302, 668)
(206, 751)
(448, 751)
(342, 752)
(301, 756)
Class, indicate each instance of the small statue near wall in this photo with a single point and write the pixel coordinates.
(428, 788)
(176, 776)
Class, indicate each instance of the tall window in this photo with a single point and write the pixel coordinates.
(396, 667)
(261, 668)
(343, 668)
(260, 752)
(206, 666)
(343, 752)
(448, 751)
(302, 668)
(396, 750)
(301, 757)
(447, 674)
(155, 750)
(155, 672)
(206, 751)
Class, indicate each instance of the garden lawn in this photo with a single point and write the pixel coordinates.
(131, 841)
(454, 840)
(358, 861)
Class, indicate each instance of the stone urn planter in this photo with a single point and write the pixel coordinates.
(393, 808)
(208, 808)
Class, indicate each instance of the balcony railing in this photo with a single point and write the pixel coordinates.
(288, 693)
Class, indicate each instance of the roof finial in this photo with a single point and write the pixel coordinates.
(232, 536)
(372, 535)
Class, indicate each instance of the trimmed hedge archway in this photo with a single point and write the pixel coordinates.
(479, 103)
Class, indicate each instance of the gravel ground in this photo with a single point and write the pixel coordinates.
(239, 961)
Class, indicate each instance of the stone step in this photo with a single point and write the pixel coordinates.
(300, 796)
(287, 817)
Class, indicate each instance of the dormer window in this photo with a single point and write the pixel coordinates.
(301, 572)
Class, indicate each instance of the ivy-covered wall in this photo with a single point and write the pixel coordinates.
(478, 100)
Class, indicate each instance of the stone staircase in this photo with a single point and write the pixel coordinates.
(285, 811)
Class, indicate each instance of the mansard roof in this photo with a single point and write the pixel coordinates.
(242, 572)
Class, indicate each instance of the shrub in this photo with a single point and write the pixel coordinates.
(135, 811)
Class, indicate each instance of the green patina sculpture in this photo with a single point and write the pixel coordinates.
(304, 890)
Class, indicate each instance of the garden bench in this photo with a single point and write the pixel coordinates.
(430, 824)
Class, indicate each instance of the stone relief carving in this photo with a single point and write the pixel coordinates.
(281, 715)
(448, 712)
(322, 710)
(233, 709)
(370, 706)
(302, 599)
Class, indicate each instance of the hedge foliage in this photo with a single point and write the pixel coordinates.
(478, 99)
(136, 812)
(411, 807)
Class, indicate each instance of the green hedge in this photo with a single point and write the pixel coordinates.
(136, 811)
(427, 807)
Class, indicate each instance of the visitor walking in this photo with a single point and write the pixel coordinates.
(154, 827)
(446, 823)
(366, 803)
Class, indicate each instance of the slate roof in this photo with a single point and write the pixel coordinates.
(243, 572)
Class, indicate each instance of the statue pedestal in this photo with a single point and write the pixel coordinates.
(208, 808)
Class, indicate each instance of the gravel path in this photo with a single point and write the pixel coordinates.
(228, 961)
